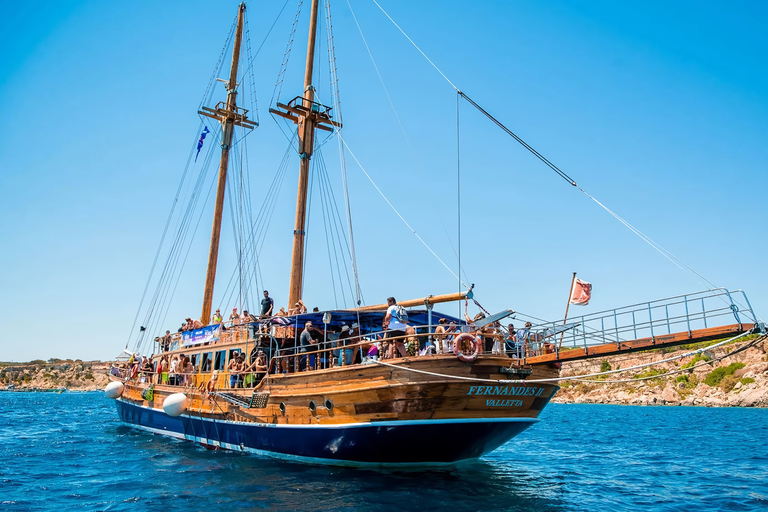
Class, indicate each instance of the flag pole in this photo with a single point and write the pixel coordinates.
(568, 305)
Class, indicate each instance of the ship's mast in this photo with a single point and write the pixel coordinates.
(308, 115)
(229, 115)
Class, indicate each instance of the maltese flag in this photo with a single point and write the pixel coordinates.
(582, 292)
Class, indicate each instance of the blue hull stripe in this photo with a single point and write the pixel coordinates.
(390, 442)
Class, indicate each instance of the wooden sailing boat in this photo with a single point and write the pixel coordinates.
(318, 403)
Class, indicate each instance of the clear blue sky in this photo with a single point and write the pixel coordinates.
(658, 109)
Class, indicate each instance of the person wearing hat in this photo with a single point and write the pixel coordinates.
(210, 386)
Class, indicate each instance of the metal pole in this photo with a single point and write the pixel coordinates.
(567, 305)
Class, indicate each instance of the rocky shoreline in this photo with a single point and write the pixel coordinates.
(72, 375)
(740, 380)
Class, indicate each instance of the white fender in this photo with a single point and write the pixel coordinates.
(175, 405)
(114, 389)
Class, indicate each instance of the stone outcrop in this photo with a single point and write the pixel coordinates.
(74, 375)
(745, 387)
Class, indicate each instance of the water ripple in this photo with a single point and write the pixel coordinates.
(70, 451)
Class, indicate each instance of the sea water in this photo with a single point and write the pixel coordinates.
(70, 452)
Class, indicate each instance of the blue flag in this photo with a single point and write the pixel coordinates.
(200, 142)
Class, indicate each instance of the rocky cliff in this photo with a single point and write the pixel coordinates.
(739, 380)
(73, 375)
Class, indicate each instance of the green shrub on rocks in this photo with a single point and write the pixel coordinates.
(605, 366)
(728, 383)
(696, 359)
(650, 373)
(716, 376)
(747, 380)
(689, 381)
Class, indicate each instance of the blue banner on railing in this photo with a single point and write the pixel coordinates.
(207, 334)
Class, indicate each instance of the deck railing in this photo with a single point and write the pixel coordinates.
(655, 319)
(683, 313)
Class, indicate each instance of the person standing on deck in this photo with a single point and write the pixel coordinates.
(395, 328)
(267, 305)
(234, 370)
(165, 342)
(172, 371)
(162, 370)
(346, 353)
(510, 342)
(308, 343)
(440, 334)
(523, 338)
(234, 318)
(217, 318)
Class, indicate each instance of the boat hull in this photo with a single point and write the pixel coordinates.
(425, 410)
(379, 443)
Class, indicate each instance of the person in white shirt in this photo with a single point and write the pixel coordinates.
(394, 329)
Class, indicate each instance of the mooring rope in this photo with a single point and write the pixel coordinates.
(581, 377)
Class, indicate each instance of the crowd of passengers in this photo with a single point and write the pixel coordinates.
(331, 347)
(179, 370)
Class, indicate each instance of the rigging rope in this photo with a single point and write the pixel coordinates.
(286, 56)
(458, 193)
(549, 164)
(397, 212)
(559, 379)
(336, 100)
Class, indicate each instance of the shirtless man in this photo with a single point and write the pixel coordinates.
(210, 386)
(234, 369)
(440, 334)
(255, 372)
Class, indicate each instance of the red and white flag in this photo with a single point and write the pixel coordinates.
(582, 292)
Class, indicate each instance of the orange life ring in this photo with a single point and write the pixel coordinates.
(475, 343)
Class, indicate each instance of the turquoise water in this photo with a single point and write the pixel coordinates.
(69, 451)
